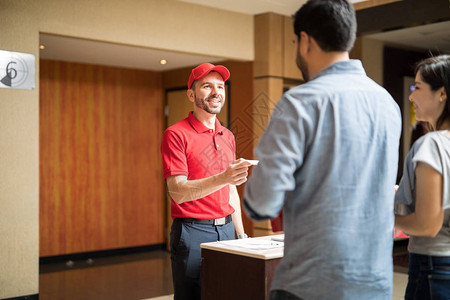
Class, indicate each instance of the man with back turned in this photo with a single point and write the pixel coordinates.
(328, 159)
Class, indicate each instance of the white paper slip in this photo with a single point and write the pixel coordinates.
(253, 244)
(252, 161)
(278, 238)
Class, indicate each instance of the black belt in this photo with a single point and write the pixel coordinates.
(220, 221)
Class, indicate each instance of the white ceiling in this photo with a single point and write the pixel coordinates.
(433, 36)
(109, 54)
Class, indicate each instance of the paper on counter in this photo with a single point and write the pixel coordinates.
(254, 244)
(278, 238)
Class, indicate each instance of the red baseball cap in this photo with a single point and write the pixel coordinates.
(204, 69)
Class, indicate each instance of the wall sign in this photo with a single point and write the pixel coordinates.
(17, 70)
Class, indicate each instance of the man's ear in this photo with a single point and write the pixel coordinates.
(190, 94)
(305, 43)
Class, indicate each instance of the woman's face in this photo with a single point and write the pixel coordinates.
(427, 104)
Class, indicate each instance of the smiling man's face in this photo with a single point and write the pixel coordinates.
(209, 93)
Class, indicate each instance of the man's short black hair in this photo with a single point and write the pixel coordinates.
(332, 23)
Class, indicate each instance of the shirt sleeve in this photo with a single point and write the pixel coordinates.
(406, 193)
(280, 153)
(426, 150)
(428, 153)
(173, 151)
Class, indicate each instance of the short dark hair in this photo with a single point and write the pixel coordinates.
(332, 23)
(435, 71)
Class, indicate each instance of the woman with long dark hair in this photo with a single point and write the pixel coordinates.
(424, 190)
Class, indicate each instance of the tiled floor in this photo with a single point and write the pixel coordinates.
(123, 277)
(127, 277)
(167, 297)
(400, 281)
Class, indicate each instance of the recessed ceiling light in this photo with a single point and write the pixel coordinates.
(163, 61)
(42, 47)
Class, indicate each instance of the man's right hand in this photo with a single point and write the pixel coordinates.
(183, 190)
(237, 172)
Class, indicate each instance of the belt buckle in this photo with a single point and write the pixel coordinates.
(220, 221)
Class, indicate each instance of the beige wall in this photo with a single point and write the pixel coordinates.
(372, 58)
(19, 160)
(161, 24)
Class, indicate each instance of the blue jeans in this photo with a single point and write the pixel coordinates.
(185, 254)
(429, 277)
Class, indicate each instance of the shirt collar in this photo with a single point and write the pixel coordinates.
(199, 127)
(346, 66)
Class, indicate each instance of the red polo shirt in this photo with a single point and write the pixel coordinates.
(191, 149)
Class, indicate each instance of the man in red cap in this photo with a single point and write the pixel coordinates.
(201, 171)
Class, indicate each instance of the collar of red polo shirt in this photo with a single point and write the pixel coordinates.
(199, 127)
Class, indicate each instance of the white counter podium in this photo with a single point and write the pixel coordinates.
(240, 269)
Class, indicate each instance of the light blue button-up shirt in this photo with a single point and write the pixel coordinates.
(329, 159)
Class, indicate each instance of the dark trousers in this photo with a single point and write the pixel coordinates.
(185, 240)
(429, 277)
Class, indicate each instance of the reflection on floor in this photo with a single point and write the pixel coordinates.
(122, 277)
(135, 276)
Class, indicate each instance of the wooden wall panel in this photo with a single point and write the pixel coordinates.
(290, 69)
(241, 115)
(274, 69)
(269, 37)
(100, 165)
(372, 3)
